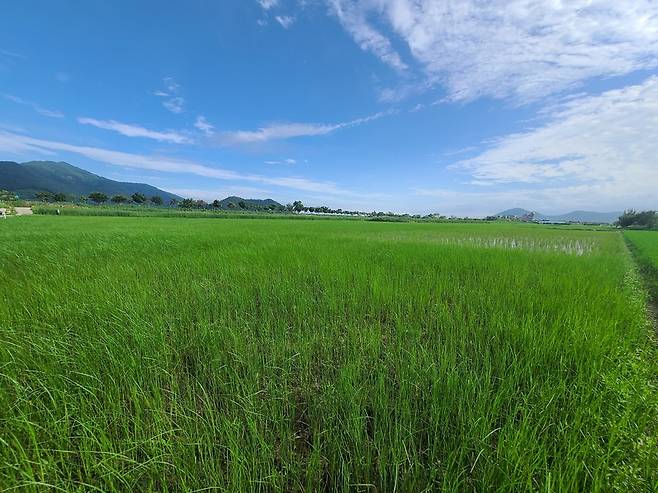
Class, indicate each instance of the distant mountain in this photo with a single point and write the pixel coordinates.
(26, 179)
(516, 212)
(574, 216)
(251, 203)
(588, 217)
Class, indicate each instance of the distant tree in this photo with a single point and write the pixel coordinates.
(157, 200)
(119, 199)
(216, 204)
(242, 204)
(173, 202)
(44, 196)
(138, 198)
(289, 208)
(6, 196)
(298, 206)
(59, 197)
(231, 205)
(98, 197)
(644, 219)
(187, 204)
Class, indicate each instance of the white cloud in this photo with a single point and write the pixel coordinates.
(132, 130)
(268, 4)
(202, 124)
(284, 161)
(594, 151)
(171, 100)
(39, 109)
(281, 131)
(352, 16)
(285, 20)
(21, 144)
(175, 105)
(523, 49)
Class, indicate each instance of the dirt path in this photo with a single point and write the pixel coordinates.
(23, 211)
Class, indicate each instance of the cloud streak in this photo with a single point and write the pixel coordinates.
(21, 144)
(352, 16)
(282, 131)
(39, 109)
(202, 125)
(285, 20)
(522, 50)
(133, 130)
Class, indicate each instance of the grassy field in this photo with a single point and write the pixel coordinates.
(645, 248)
(228, 355)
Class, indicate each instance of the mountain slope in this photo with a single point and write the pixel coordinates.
(588, 217)
(515, 212)
(26, 179)
(573, 216)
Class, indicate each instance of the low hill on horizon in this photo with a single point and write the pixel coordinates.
(262, 203)
(573, 216)
(29, 178)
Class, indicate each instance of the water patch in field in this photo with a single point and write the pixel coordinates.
(558, 245)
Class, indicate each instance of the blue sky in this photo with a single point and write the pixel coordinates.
(416, 106)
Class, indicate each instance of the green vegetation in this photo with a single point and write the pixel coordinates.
(645, 247)
(638, 220)
(165, 354)
(98, 197)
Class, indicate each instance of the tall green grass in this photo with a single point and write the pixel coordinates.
(176, 355)
(645, 248)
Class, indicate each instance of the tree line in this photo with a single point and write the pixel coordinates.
(640, 220)
(297, 206)
(101, 198)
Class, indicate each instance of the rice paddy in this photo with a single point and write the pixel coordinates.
(645, 248)
(170, 354)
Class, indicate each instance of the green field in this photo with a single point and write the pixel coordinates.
(172, 354)
(645, 247)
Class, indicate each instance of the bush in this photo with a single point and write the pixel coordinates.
(633, 219)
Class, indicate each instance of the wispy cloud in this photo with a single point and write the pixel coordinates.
(11, 54)
(282, 131)
(133, 130)
(202, 124)
(592, 151)
(283, 161)
(268, 4)
(172, 101)
(175, 105)
(36, 107)
(522, 50)
(21, 144)
(353, 17)
(285, 20)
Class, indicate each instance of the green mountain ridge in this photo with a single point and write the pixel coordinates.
(29, 178)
